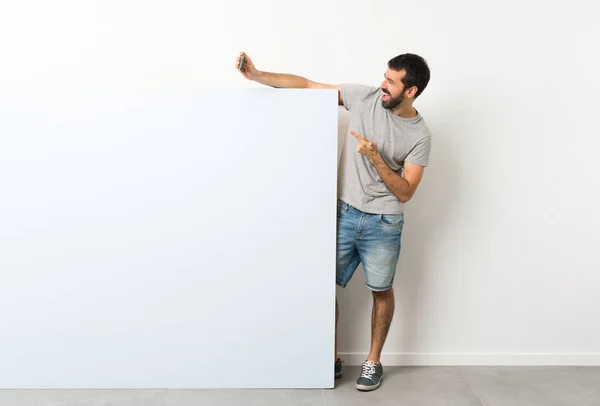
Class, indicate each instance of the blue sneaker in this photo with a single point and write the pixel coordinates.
(370, 377)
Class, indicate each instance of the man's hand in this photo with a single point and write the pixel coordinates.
(249, 71)
(366, 147)
(403, 187)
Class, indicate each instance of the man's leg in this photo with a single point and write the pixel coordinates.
(381, 319)
(379, 250)
(337, 362)
(347, 259)
(337, 316)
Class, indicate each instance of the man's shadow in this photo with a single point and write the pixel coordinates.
(428, 216)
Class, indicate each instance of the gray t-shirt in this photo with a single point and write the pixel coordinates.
(399, 140)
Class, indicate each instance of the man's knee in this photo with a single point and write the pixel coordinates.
(383, 294)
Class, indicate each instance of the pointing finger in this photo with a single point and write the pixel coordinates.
(358, 137)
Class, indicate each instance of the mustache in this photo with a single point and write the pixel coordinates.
(386, 92)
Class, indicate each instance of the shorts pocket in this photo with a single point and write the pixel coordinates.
(392, 220)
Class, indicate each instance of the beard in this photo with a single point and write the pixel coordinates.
(393, 101)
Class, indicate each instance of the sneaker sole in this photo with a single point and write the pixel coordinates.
(338, 375)
(365, 388)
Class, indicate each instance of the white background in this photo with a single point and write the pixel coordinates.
(499, 262)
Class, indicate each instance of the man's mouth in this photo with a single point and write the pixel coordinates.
(386, 97)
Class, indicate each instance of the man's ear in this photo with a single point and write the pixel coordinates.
(412, 92)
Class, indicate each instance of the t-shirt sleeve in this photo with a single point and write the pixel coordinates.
(420, 153)
(353, 93)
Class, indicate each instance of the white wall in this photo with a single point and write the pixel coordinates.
(499, 262)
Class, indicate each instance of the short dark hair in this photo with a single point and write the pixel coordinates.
(417, 71)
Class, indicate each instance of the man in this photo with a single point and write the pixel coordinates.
(382, 163)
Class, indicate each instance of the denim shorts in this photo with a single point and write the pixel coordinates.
(370, 239)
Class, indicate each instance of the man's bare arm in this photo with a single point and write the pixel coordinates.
(282, 80)
(403, 187)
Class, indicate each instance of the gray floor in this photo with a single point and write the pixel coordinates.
(426, 386)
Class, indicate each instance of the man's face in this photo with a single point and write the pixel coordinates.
(392, 88)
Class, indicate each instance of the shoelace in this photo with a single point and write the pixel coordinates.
(368, 369)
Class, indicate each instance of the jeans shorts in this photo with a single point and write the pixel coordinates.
(370, 239)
